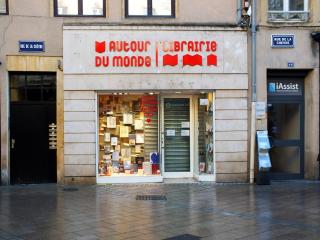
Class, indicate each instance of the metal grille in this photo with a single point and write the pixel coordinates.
(151, 197)
(177, 147)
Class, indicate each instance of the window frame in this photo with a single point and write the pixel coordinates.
(286, 12)
(286, 7)
(149, 12)
(80, 10)
(7, 8)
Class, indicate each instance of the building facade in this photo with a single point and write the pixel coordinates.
(288, 81)
(112, 91)
(119, 91)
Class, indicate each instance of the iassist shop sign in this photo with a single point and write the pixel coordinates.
(285, 87)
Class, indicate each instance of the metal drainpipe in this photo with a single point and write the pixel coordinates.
(239, 11)
(316, 37)
(253, 88)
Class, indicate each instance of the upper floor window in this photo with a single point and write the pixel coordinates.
(4, 7)
(88, 8)
(150, 8)
(288, 10)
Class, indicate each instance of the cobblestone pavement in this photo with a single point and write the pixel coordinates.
(283, 210)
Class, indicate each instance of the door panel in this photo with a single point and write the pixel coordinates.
(176, 136)
(31, 160)
(285, 127)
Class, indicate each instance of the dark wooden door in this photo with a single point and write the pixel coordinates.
(31, 160)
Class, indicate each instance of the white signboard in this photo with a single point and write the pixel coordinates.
(185, 124)
(139, 50)
(185, 133)
(171, 132)
(204, 102)
(261, 108)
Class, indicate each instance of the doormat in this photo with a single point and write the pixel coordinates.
(151, 197)
(184, 237)
(70, 189)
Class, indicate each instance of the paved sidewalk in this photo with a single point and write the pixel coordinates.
(283, 210)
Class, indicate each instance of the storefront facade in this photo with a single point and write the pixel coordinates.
(288, 82)
(146, 103)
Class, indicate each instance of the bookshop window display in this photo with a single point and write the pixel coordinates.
(128, 135)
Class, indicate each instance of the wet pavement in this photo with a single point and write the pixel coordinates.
(282, 210)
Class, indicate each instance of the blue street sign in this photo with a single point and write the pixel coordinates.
(31, 46)
(282, 41)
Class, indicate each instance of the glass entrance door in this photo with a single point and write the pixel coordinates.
(176, 137)
(285, 127)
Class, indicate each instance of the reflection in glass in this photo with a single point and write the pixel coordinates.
(205, 137)
(284, 121)
(68, 7)
(138, 7)
(3, 8)
(17, 81)
(93, 7)
(34, 80)
(275, 5)
(161, 7)
(285, 159)
(17, 94)
(296, 5)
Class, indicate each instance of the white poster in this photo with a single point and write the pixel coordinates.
(139, 138)
(111, 122)
(185, 124)
(127, 118)
(171, 132)
(185, 133)
(114, 141)
(124, 131)
(107, 137)
(138, 124)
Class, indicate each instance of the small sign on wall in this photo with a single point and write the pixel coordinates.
(31, 46)
(282, 40)
(261, 110)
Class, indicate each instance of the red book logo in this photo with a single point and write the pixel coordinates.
(212, 60)
(100, 47)
(192, 60)
(171, 60)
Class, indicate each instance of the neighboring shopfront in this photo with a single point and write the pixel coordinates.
(289, 84)
(286, 121)
(146, 103)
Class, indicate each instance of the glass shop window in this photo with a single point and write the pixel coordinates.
(128, 135)
(205, 137)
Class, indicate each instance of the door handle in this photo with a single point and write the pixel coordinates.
(13, 142)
